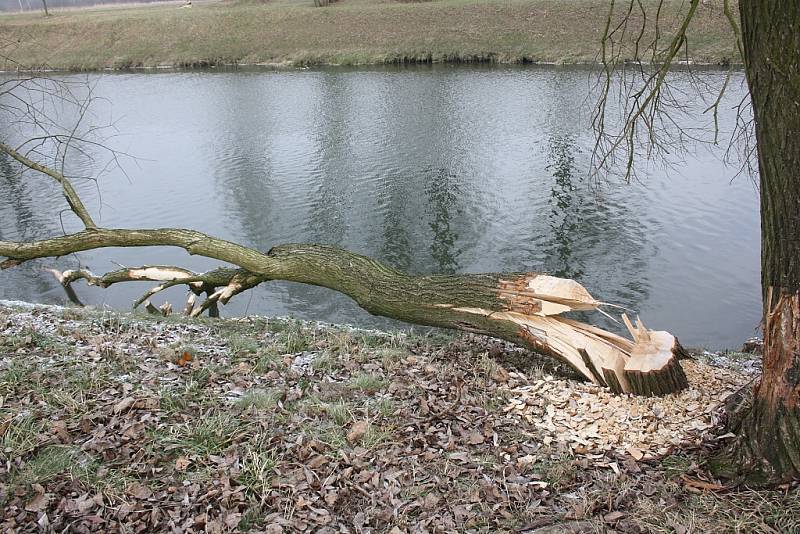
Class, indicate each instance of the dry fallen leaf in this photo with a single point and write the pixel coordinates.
(59, 428)
(357, 431)
(38, 503)
(185, 358)
(460, 456)
(424, 409)
(430, 501)
(613, 517)
(124, 404)
(81, 505)
(232, 519)
(182, 463)
(148, 403)
(331, 497)
(317, 461)
(499, 374)
(140, 491)
(476, 438)
(694, 484)
(636, 453)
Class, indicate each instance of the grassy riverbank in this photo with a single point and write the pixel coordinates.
(293, 32)
(283, 426)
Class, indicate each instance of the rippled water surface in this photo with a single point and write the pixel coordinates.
(428, 169)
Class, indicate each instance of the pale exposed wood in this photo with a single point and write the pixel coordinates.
(159, 273)
(591, 350)
(190, 302)
(564, 291)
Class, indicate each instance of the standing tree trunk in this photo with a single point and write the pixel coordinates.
(44, 3)
(768, 445)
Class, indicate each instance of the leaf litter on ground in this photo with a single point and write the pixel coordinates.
(277, 425)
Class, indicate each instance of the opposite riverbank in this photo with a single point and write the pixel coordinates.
(349, 32)
(123, 422)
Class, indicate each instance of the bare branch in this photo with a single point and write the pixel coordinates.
(231, 281)
(649, 105)
(74, 201)
(645, 106)
(734, 26)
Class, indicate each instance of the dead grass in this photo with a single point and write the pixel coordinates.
(738, 512)
(380, 432)
(350, 32)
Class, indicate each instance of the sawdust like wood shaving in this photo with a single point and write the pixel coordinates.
(594, 422)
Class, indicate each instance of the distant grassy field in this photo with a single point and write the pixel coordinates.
(294, 32)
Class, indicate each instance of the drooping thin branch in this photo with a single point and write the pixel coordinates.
(737, 31)
(714, 108)
(649, 105)
(74, 201)
(645, 103)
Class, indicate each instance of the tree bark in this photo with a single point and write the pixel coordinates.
(768, 444)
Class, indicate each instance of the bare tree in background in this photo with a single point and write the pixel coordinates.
(767, 444)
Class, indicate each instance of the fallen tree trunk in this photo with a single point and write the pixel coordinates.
(524, 308)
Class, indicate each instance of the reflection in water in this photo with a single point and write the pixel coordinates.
(328, 197)
(244, 164)
(396, 249)
(17, 214)
(24, 218)
(443, 191)
(430, 169)
(566, 209)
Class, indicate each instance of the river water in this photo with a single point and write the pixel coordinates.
(429, 169)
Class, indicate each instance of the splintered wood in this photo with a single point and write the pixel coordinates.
(646, 365)
(589, 420)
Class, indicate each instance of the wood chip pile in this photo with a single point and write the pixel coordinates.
(592, 421)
